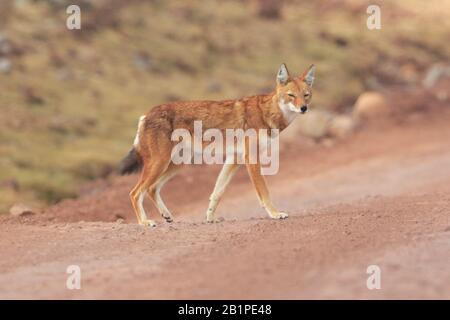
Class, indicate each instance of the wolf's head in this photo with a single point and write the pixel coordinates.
(294, 94)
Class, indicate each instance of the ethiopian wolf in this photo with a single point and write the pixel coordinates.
(153, 148)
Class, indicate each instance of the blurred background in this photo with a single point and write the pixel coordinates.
(70, 99)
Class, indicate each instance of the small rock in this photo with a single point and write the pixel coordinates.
(120, 221)
(441, 88)
(435, 73)
(5, 65)
(341, 126)
(370, 105)
(314, 123)
(20, 210)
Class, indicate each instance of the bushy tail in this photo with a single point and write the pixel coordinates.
(131, 163)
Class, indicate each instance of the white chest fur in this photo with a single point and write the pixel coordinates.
(289, 111)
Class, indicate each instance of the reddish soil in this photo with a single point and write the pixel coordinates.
(380, 197)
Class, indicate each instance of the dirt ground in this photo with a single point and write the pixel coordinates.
(380, 197)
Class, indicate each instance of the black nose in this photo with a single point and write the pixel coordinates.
(303, 109)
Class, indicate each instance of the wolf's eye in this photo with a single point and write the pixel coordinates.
(307, 94)
(291, 95)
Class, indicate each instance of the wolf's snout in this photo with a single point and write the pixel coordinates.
(303, 109)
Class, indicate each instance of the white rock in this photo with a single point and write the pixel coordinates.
(20, 210)
(370, 105)
(5, 65)
(314, 123)
(341, 126)
(435, 73)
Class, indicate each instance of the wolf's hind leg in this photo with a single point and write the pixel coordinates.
(137, 203)
(154, 192)
(150, 175)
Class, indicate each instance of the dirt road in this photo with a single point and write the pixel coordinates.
(380, 197)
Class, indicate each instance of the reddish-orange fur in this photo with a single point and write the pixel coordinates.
(257, 112)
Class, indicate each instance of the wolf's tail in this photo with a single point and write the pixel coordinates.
(133, 160)
(131, 163)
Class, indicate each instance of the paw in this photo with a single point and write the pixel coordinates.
(148, 223)
(167, 216)
(214, 220)
(280, 215)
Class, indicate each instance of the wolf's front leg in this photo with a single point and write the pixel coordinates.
(224, 178)
(254, 170)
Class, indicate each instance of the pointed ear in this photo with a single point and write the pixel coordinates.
(283, 75)
(308, 76)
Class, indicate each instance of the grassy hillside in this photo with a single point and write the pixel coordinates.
(70, 100)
